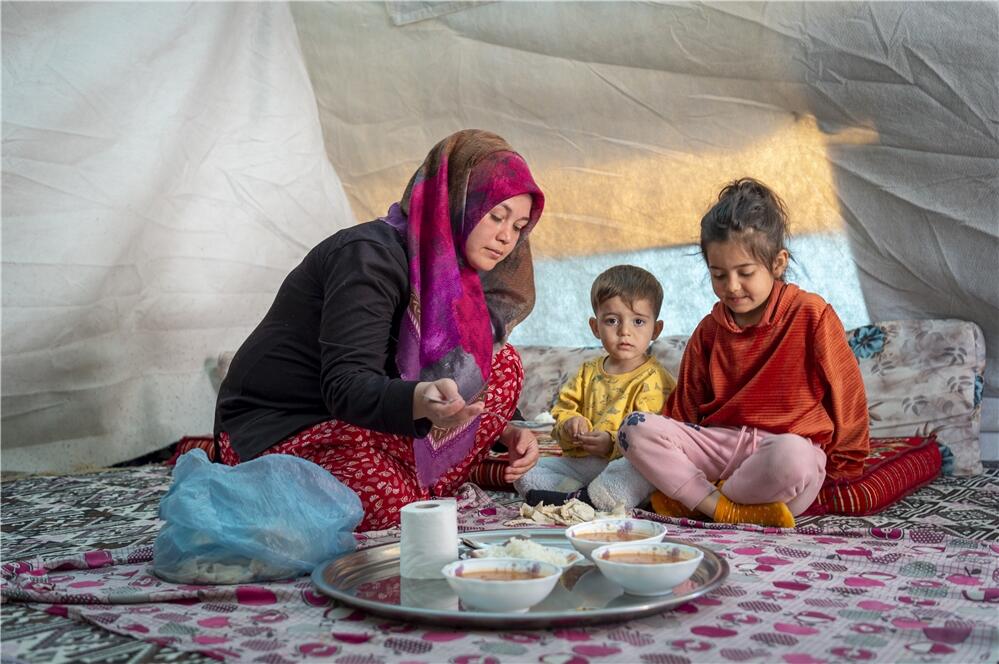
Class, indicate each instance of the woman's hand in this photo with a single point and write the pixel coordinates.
(439, 402)
(523, 449)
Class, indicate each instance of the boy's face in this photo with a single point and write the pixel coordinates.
(626, 331)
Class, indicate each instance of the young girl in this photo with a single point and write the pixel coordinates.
(769, 398)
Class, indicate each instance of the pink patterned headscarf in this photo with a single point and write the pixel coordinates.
(455, 313)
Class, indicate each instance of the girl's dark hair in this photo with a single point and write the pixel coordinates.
(750, 212)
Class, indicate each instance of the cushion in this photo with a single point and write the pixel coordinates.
(188, 443)
(925, 378)
(922, 377)
(895, 468)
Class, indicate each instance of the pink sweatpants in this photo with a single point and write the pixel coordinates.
(684, 460)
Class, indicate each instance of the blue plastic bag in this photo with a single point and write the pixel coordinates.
(275, 517)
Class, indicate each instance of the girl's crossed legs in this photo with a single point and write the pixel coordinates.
(684, 460)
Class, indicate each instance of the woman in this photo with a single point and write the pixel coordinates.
(383, 358)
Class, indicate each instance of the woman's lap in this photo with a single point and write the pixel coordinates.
(380, 467)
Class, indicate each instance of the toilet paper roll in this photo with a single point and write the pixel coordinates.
(429, 538)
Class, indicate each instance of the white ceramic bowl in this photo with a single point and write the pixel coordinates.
(623, 531)
(648, 578)
(512, 596)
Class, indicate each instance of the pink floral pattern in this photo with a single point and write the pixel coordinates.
(797, 596)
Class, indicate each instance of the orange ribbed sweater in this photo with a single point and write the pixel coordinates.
(793, 372)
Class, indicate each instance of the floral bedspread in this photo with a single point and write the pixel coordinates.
(799, 596)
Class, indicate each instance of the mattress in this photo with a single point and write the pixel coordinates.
(52, 518)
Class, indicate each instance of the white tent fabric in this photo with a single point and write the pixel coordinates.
(163, 168)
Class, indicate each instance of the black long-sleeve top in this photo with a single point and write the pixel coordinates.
(326, 348)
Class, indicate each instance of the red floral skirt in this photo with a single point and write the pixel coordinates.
(379, 467)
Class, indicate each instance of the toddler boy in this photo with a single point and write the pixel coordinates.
(592, 405)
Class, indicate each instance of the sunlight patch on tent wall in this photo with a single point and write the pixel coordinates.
(822, 265)
(633, 197)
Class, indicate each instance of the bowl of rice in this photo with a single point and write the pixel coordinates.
(524, 548)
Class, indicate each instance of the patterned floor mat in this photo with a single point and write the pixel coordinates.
(48, 517)
(967, 507)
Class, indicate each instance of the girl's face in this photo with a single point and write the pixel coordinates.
(740, 281)
(496, 234)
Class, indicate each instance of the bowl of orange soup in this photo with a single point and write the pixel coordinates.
(511, 585)
(585, 537)
(647, 569)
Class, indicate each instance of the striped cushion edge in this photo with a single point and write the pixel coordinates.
(895, 468)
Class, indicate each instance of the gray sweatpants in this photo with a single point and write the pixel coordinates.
(608, 483)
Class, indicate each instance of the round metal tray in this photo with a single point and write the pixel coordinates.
(369, 580)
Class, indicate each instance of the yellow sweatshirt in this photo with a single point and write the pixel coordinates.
(606, 399)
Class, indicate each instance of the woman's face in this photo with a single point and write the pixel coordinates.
(496, 234)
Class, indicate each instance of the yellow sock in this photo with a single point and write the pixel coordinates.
(764, 514)
(662, 504)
